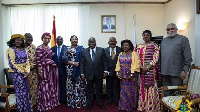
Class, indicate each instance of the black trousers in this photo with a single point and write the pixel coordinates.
(63, 91)
(113, 88)
(97, 83)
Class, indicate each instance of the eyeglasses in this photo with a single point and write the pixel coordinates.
(168, 29)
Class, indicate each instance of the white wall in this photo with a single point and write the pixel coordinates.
(147, 17)
(178, 11)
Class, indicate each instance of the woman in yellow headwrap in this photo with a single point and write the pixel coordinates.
(19, 68)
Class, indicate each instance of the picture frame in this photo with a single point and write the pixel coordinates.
(198, 6)
(108, 23)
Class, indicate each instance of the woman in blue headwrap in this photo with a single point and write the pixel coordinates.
(76, 96)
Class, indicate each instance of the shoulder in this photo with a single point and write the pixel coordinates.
(99, 48)
(140, 46)
(107, 48)
(10, 50)
(117, 47)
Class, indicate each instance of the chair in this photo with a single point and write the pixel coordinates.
(8, 99)
(192, 87)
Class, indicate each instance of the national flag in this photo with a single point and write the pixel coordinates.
(53, 38)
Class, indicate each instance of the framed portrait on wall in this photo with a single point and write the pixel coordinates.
(108, 23)
(198, 6)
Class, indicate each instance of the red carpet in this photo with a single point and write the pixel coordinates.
(95, 108)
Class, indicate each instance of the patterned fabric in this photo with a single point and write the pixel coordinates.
(32, 76)
(76, 95)
(148, 94)
(129, 88)
(48, 87)
(18, 63)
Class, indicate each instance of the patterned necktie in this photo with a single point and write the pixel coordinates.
(58, 52)
(93, 55)
(113, 54)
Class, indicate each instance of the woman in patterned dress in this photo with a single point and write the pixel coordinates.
(148, 94)
(32, 76)
(19, 68)
(76, 96)
(48, 87)
(126, 70)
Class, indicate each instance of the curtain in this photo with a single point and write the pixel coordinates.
(39, 19)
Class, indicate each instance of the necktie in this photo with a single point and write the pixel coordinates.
(58, 52)
(112, 54)
(93, 55)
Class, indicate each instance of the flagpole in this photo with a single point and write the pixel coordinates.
(53, 39)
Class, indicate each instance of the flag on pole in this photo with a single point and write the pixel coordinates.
(134, 32)
(53, 39)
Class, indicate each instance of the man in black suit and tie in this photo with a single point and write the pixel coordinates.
(94, 69)
(112, 82)
(59, 51)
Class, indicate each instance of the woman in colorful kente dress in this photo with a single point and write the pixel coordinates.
(32, 76)
(126, 70)
(76, 96)
(148, 94)
(48, 87)
(19, 68)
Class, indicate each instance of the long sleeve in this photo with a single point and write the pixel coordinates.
(38, 56)
(187, 55)
(82, 65)
(118, 63)
(135, 65)
(155, 55)
(20, 68)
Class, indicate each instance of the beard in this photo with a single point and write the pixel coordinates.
(171, 34)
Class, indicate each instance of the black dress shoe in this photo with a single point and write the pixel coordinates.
(101, 106)
(116, 103)
(63, 102)
(88, 107)
(109, 102)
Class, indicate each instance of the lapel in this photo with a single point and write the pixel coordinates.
(88, 54)
(118, 50)
(61, 52)
(108, 53)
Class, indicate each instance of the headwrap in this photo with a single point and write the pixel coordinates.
(17, 36)
(45, 34)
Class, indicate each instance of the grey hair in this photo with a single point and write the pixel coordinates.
(172, 24)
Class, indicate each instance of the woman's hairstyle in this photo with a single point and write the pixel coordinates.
(147, 31)
(73, 36)
(27, 35)
(130, 44)
(46, 34)
(11, 43)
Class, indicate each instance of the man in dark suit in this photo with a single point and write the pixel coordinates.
(112, 82)
(93, 69)
(59, 51)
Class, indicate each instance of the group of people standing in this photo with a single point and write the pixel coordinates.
(45, 77)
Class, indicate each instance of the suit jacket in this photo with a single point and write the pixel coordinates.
(110, 62)
(92, 68)
(59, 61)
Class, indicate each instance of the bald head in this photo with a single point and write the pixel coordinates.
(92, 42)
(112, 42)
(59, 40)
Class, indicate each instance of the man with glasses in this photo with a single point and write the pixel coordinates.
(176, 58)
